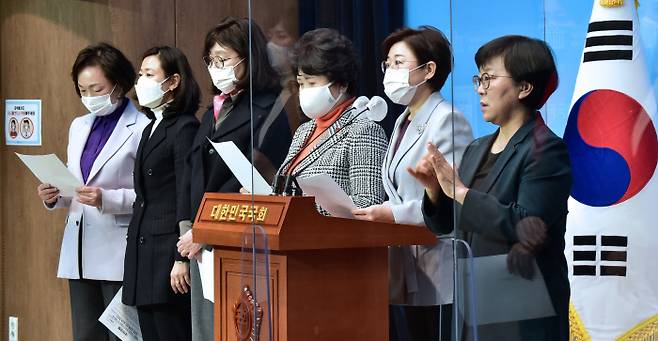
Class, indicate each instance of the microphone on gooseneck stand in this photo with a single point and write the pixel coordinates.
(375, 111)
(282, 183)
(360, 103)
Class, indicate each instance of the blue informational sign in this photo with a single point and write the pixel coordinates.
(23, 122)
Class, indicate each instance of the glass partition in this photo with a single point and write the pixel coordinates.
(253, 311)
(496, 269)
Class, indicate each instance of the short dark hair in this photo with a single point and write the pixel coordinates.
(187, 94)
(234, 33)
(527, 60)
(428, 44)
(325, 52)
(115, 66)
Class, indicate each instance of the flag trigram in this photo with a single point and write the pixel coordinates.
(605, 256)
(609, 40)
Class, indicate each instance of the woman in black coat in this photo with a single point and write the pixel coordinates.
(230, 118)
(156, 276)
(510, 196)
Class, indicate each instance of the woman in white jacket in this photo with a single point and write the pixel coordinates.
(417, 64)
(101, 154)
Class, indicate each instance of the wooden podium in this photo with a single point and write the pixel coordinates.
(328, 276)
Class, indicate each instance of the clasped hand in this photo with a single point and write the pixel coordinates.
(435, 173)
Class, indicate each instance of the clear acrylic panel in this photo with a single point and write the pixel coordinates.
(253, 311)
(467, 24)
(272, 110)
(465, 326)
(507, 306)
(366, 24)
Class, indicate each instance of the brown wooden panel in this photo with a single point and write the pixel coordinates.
(316, 295)
(338, 294)
(42, 38)
(234, 273)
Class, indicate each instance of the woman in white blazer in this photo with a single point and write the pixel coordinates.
(417, 65)
(101, 154)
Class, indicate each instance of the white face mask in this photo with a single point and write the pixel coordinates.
(100, 105)
(149, 92)
(397, 87)
(278, 56)
(224, 78)
(317, 101)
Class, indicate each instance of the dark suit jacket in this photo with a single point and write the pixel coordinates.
(271, 138)
(532, 177)
(162, 200)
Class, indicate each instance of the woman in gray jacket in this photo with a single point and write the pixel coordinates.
(417, 64)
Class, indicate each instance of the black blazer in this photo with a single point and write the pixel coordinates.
(162, 200)
(271, 138)
(532, 177)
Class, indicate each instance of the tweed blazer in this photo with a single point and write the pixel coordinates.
(351, 154)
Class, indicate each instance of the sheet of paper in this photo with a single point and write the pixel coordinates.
(502, 296)
(328, 195)
(242, 168)
(50, 169)
(207, 274)
(122, 320)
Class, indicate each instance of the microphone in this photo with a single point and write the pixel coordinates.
(376, 105)
(282, 182)
(377, 109)
(360, 103)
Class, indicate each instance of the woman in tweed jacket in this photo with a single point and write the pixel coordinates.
(350, 151)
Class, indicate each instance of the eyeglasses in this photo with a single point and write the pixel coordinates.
(396, 64)
(485, 80)
(217, 61)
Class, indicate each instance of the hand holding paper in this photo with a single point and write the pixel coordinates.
(48, 193)
(121, 320)
(92, 196)
(50, 170)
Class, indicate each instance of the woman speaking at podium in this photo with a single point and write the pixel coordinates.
(349, 150)
(101, 153)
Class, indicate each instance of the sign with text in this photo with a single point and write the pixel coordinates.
(241, 212)
(23, 122)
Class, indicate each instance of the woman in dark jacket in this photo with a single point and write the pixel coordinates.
(510, 196)
(230, 118)
(156, 277)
